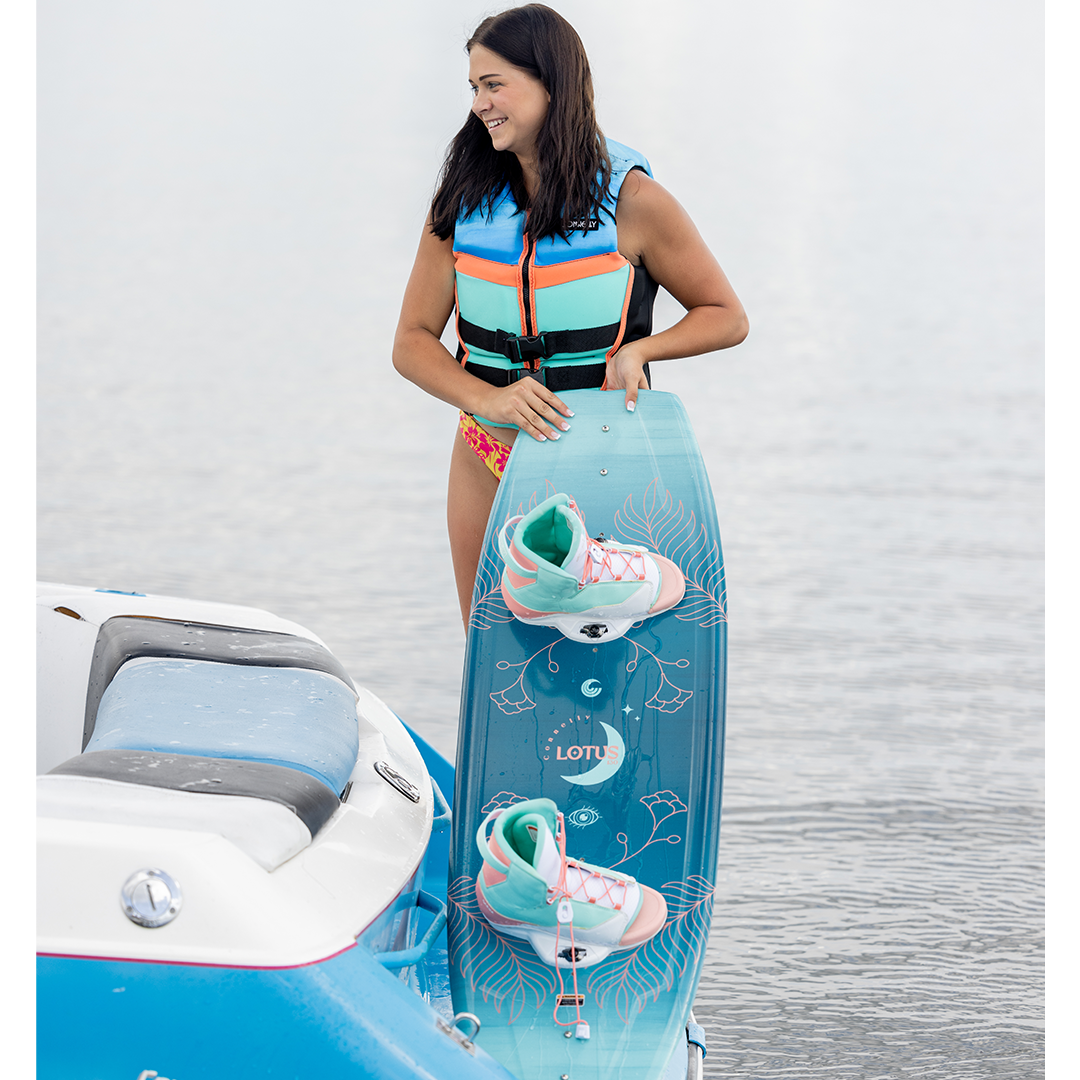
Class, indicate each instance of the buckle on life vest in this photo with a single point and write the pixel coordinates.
(522, 348)
(538, 373)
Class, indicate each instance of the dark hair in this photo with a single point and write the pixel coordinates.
(575, 170)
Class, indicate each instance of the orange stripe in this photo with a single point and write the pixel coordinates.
(545, 276)
(522, 560)
(532, 296)
(622, 322)
(486, 269)
(521, 297)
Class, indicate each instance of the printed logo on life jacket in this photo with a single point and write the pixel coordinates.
(583, 224)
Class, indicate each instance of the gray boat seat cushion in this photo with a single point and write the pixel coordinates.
(298, 718)
(267, 811)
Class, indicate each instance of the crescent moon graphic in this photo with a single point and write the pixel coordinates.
(590, 688)
(609, 766)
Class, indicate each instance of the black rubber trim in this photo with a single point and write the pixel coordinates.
(309, 799)
(124, 637)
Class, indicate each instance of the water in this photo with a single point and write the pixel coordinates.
(231, 195)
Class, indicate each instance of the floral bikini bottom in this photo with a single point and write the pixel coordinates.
(491, 451)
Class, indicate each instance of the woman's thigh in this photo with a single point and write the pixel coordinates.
(471, 491)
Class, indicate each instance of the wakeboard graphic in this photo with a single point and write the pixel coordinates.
(588, 786)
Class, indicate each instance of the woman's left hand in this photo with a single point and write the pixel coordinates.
(626, 371)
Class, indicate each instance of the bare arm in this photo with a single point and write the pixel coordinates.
(656, 231)
(422, 358)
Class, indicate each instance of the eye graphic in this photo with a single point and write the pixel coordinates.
(590, 688)
(586, 815)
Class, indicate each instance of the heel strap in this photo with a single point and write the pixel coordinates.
(504, 544)
(482, 843)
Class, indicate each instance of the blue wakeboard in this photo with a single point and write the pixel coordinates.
(626, 737)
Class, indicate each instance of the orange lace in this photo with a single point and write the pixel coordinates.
(561, 892)
(594, 567)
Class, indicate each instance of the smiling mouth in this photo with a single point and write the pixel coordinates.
(493, 124)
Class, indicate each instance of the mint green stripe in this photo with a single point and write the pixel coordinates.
(487, 304)
(576, 305)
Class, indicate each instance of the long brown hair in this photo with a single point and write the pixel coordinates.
(575, 170)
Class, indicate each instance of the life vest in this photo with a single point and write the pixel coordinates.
(526, 305)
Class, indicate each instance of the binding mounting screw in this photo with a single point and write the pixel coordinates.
(605, 428)
(568, 1034)
(603, 472)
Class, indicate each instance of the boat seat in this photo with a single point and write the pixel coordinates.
(125, 637)
(296, 718)
(270, 812)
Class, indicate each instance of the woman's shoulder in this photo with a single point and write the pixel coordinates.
(627, 164)
(625, 159)
(645, 209)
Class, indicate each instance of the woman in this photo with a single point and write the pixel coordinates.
(551, 242)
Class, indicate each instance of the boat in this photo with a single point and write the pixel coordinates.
(242, 855)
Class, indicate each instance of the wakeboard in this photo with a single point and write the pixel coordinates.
(625, 736)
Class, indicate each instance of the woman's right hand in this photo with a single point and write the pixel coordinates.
(528, 404)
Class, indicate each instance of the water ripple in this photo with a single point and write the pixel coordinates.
(876, 939)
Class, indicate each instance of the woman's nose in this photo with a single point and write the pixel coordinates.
(481, 103)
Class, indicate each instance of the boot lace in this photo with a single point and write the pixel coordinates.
(566, 889)
(604, 562)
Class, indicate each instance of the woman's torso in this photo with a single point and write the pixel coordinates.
(554, 302)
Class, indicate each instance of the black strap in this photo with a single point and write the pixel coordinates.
(555, 377)
(519, 348)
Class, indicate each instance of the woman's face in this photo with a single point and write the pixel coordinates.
(511, 103)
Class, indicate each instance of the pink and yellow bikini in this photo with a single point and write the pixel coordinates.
(494, 453)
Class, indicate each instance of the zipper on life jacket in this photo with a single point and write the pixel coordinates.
(526, 280)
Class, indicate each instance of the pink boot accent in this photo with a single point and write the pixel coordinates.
(650, 918)
(672, 586)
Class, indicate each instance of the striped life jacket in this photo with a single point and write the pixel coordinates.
(558, 308)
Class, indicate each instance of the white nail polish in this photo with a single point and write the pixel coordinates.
(630, 406)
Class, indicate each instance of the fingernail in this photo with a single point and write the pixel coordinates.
(569, 412)
(564, 426)
(554, 435)
(630, 406)
(541, 438)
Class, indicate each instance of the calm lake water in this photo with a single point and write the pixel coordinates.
(231, 193)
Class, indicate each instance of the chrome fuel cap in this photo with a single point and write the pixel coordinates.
(151, 898)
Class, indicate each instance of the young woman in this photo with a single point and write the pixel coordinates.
(550, 241)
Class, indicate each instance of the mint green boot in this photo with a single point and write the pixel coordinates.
(588, 589)
(571, 913)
